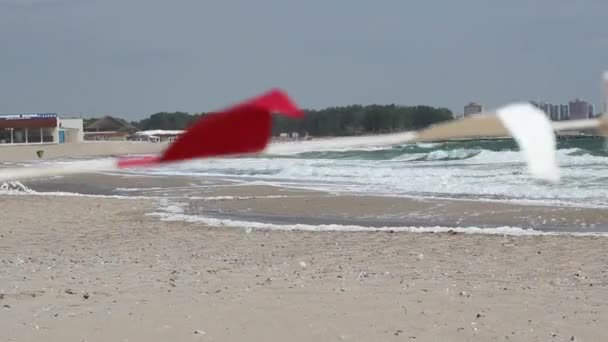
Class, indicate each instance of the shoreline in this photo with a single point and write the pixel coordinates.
(208, 198)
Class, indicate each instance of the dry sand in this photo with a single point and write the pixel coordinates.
(74, 150)
(98, 269)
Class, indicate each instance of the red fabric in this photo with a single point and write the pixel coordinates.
(131, 162)
(244, 129)
(240, 129)
(277, 101)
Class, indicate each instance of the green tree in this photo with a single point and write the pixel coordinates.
(167, 121)
(332, 121)
(357, 119)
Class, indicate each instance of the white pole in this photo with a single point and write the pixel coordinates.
(605, 95)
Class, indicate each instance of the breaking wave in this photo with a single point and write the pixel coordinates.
(478, 169)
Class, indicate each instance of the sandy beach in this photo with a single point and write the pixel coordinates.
(413, 171)
(18, 153)
(105, 269)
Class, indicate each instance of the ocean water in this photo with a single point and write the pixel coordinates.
(479, 169)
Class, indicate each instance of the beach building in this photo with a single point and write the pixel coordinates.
(108, 128)
(158, 135)
(39, 128)
(70, 130)
(472, 108)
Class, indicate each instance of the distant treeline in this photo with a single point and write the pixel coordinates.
(334, 121)
(357, 119)
(162, 120)
(167, 121)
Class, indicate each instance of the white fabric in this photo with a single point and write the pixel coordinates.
(534, 134)
(605, 95)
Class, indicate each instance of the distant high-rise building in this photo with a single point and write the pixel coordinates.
(551, 110)
(591, 111)
(554, 112)
(546, 107)
(564, 113)
(472, 108)
(579, 109)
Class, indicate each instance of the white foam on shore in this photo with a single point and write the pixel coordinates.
(239, 198)
(14, 186)
(172, 207)
(19, 189)
(71, 194)
(167, 216)
(138, 189)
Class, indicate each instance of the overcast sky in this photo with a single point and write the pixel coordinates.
(136, 57)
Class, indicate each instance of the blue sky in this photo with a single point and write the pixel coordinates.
(136, 57)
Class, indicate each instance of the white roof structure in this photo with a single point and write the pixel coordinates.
(157, 132)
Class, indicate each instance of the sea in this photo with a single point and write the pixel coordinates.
(490, 169)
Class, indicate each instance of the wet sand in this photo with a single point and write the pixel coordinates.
(99, 269)
(287, 206)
